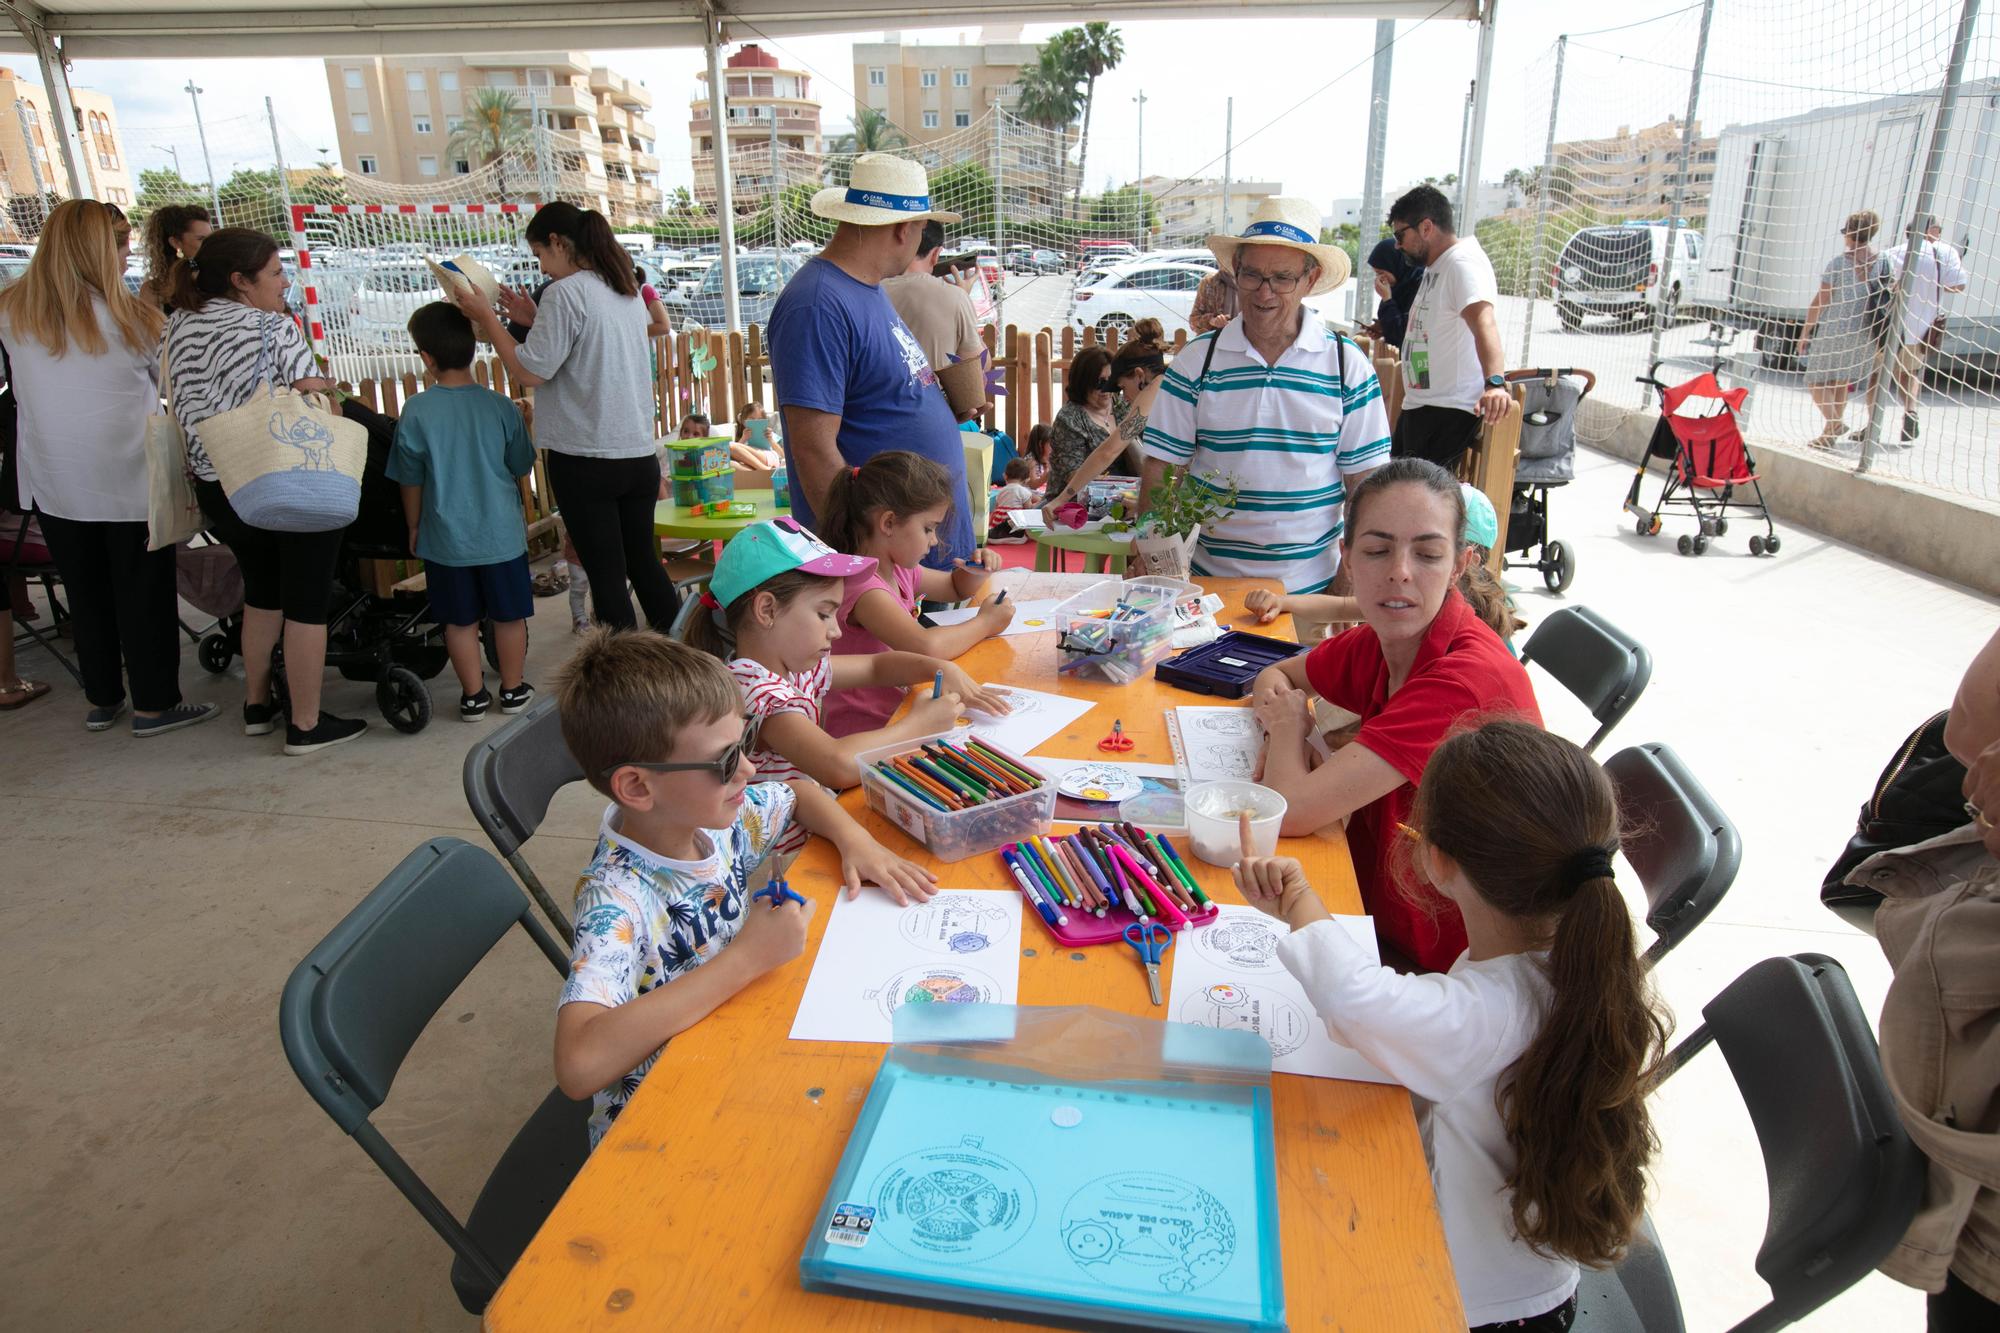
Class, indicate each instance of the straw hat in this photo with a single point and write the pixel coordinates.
(1293, 223)
(882, 189)
(466, 273)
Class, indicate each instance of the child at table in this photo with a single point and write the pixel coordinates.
(666, 931)
(771, 612)
(1532, 1057)
(460, 453)
(890, 508)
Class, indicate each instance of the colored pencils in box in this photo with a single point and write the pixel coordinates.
(911, 789)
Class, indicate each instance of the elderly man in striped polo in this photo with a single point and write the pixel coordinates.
(1291, 412)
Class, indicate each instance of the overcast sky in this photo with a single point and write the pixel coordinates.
(1301, 88)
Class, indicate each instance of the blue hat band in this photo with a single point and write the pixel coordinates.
(1282, 230)
(901, 203)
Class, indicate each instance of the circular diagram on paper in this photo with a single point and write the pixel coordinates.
(1148, 1231)
(1232, 1004)
(1241, 943)
(952, 923)
(944, 983)
(1235, 722)
(1100, 782)
(962, 1204)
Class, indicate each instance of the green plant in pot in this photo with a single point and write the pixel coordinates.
(1176, 512)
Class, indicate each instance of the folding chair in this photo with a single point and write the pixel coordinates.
(510, 778)
(690, 590)
(1843, 1177)
(357, 1004)
(1685, 849)
(19, 566)
(1594, 660)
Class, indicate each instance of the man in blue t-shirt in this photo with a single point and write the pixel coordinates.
(851, 379)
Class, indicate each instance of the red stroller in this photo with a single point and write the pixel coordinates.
(1707, 463)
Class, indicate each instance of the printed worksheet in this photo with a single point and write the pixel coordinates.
(1032, 617)
(961, 947)
(1035, 718)
(1217, 744)
(1227, 975)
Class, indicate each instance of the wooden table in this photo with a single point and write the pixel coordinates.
(1106, 549)
(694, 1209)
(672, 520)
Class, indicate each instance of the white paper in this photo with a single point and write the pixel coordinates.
(1218, 744)
(1227, 975)
(1029, 617)
(961, 947)
(1029, 584)
(1036, 718)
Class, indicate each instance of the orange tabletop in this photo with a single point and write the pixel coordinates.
(694, 1209)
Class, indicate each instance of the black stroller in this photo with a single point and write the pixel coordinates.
(1550, 399)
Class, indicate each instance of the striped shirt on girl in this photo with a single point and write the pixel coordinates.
(766, 693)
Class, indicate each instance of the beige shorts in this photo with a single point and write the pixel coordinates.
(1910, 359)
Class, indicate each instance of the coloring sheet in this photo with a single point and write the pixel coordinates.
(1029, 617)
(1036, 717)
(1227, 975)
(961, 947)
(1027, 585)
(1217, 744)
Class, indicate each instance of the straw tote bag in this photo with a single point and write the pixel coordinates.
(285, 461)
(172, 516)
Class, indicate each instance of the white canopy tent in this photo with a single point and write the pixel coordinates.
(58, 31)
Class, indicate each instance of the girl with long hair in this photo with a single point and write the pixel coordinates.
(173, 233)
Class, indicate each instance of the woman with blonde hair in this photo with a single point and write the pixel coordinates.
(83, 353)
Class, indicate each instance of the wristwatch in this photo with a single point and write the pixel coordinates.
(1496, 381)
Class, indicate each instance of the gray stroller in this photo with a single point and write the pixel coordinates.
(1549, 402)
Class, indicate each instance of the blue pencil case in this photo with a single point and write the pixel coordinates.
(1225, 667)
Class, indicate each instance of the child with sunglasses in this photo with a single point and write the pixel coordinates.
(659, 728)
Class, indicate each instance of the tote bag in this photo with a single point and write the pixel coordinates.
(172, 516)
(286, 462)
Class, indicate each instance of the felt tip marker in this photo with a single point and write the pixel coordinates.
(937, 684)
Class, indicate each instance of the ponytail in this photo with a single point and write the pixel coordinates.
(714, 629)
(591, 241)
(901, 483)
(1532, 823)
(194, 282)
(1488, 600)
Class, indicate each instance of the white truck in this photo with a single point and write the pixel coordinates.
(1783, 187)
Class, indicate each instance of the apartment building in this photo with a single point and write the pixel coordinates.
(1635, 174)
(31, 160)
(1194, 209)
(930, 92)
(764, 103)
(395, 118)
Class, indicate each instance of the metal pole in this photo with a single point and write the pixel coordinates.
(1370, 221)
(1464, 137)
(1482, 84)
(1542, 201)
(1680, 197)
(1228, 146)
(1145, 229)
(725, 201)
(214, 198)
(1913, 239)
(777, 243)
(278, 156)
(62, 104)
(1000, 213)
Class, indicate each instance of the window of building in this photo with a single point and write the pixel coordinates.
(878, 78)
(929, 79)
(961, 78)
(461, 167)
(415, 82)
(961, 119)
(538, 78)
(358, 122)
(448, 81)
(427, 166)
(930, 120)
(351, 78)
(367, 166)
(453, 124)
(421, 124)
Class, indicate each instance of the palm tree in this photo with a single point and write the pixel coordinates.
(495, 128)
(1049, 98)
(873, 132)
(1089, 51)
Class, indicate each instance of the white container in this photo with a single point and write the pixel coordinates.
(1121, 650)
(954, 835)
(1212, 809)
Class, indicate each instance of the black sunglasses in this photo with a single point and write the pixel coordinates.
(1105, 385)
(723, 765)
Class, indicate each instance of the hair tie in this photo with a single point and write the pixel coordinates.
(194, 265)
(854, 472)
(707, 599)
(1589, 864)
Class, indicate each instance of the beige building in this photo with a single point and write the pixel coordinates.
(763, 101)
(395, 118)
(1635, 174)
(31, 159)
(1194, 209)
(930, 92)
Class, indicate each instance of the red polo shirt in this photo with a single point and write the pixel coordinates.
(1463, 673)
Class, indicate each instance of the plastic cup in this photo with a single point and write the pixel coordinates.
(1213, 809)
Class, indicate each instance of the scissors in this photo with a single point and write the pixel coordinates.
(1150, 942)
(778, 891)
(1117, 742)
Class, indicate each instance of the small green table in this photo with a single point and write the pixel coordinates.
(1106, 548)
(672, 520)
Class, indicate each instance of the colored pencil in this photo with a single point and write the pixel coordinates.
(999, 753)
(1013, 785)
(909, 770)
(970, 794)
(980, 785)
(904, 784)
(1032, 780)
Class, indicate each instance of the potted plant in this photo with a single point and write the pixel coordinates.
(1180, 506)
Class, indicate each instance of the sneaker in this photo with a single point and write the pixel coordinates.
(580, 625)
(260, 719)
(173, 719)
(101, 719)
(1909, 427)
(473, 707)
(330, 731)
(514, 700)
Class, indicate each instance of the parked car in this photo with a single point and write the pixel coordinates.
(16, 251)
(759, 278)
(11, 267)
(1615, 271)
(1031, 259)
(1121, 296)
(384, 300)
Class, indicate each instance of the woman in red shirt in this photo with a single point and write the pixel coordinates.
(1420, 665)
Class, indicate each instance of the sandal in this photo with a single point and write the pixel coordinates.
(1827, 442)
(17, 696)
(548, 583)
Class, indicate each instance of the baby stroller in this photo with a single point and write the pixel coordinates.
(1550, 399)
(1707, 461)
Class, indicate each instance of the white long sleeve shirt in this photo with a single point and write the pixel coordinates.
(1448, 1038)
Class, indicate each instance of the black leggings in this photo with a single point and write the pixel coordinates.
(291, 572)
(607, 509)
(1557, 1320)
(125, 610)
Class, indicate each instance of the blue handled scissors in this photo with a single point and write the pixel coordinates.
(1151, 942)
(778, 891)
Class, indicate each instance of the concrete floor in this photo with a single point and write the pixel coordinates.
(167, 1169)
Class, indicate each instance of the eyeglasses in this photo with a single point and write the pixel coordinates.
(723, 766)
(1105, 385)
(1282, 283)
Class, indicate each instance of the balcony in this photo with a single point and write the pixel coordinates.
(563, 62)
(625, 92)
(645, 162)
(616, 152)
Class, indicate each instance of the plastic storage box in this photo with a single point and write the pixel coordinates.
(954, 835)
(1226, 667)
(709, 488)
(698, 458)
(1116, 630)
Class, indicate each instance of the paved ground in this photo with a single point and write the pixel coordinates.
(169, 1170)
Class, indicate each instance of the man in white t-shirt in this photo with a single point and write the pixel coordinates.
(1938, 272)
(1452, 359)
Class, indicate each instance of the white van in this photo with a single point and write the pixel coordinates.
(1615, 272)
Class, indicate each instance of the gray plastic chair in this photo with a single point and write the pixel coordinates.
(1684, 848)
(357, 1004)
(690, 591)
(510, 778)
(1594, 660)
(1844, 1178)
